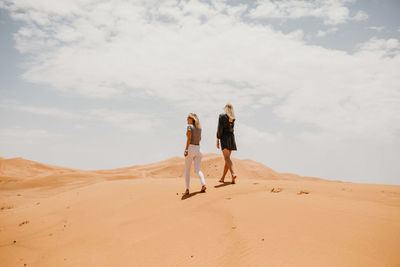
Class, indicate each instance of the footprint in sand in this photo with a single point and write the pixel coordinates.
(228, 198)
(6, 207)
(303, 192)
(24, 222)
(276, 190)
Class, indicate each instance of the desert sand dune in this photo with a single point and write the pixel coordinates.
(21, 173)
(135, 216)
(31, 173)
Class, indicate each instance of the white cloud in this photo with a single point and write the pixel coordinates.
(361, 15)
(380, 45)
(47, 111)
(25, 136)
(199, 56)
(265, 100)
(331, 12)
(357, 101)
(321, 33)
(249, 136)
(127, 121)
(376, 28)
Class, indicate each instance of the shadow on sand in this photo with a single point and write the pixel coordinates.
(223, 184)
(191, 195)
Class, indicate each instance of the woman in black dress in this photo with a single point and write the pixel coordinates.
(225, 135)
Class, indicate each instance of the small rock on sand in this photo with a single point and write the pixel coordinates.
(276, 190)
(24, 222)
(303, 192)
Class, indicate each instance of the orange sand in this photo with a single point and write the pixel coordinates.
(134, 216)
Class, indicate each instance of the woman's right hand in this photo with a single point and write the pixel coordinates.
(218, 143)
(185, 153)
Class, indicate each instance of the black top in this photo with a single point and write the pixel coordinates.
(225, 132)
(224, 125)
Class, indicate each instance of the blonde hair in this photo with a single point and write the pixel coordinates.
(195, 119)
(228, 110)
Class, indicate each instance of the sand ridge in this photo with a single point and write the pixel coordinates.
(22, 173)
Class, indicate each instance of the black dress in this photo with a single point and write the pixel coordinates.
(225, 132)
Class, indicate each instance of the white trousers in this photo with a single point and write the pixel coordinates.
(195, 155)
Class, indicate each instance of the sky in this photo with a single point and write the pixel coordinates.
(94, 84)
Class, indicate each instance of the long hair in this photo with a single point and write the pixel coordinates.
(196, 121)
(228, 110)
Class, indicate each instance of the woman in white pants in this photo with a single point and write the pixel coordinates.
(192, 150)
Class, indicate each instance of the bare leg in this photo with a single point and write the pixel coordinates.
(228, 161)
(226, 168)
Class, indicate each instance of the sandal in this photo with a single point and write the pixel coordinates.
(203, 189)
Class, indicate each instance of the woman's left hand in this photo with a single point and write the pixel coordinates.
(185, 153)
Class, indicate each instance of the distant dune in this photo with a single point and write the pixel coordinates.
(22, 173)
(137, 216)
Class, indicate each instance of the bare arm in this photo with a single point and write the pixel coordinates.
(189, 137)
(219, 130)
